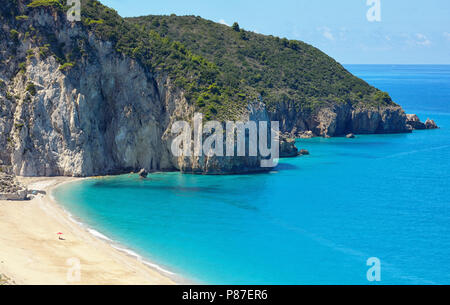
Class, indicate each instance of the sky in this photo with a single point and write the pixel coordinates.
(404, 32)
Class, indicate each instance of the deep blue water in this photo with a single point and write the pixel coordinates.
(316, 220)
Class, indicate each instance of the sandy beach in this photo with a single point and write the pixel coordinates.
(31, 253)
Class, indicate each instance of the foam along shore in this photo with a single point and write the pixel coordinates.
(32, 253)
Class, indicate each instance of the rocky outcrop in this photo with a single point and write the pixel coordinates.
(303, 152)
(341, 119)
(415, 123)
(430, 124)
(288, 148)
(11, 189)
(143, 173)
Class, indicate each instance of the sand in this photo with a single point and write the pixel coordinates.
(32, 254)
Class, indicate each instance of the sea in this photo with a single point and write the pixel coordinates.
(371, 210)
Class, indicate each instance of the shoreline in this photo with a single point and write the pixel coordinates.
(33, 254)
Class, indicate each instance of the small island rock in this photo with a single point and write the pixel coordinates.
(143, 173)
(303, 152)
(287, 147)
(415, 123)
(430, 124)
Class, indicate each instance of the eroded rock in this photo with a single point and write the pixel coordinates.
(430, 124)
(288, 148)
(415, 123)
(11, 188)
(143, 173)
(303, 152)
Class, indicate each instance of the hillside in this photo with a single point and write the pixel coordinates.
(277, 69)
(100, 96)
(302, 87)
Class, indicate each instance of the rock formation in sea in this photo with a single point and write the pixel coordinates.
(288, 148)
(94, 98)
(415, 123)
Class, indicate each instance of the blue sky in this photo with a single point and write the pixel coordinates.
(410, 31)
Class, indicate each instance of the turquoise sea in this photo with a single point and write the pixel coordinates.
(315, 220)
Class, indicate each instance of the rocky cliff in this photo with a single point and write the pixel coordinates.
(341, 119)
(108, 112)
(106, 115)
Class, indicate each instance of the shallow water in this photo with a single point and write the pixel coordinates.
(315, 220)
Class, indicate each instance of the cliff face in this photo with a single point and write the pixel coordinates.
(108, 113)
(341, 119)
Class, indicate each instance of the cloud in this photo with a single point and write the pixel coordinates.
(447, 35)
(326, 32)
(221, 21)
(422, 40)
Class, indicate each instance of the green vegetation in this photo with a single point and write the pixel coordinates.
(44, 51)
(30, 53)
(89, 21)
(22, 67)
(67, 66)
(159, 54)
(44, 3)
(14, 34)
(236, 27)
(31, 88)
(219, 68)
(279, 70)
(22, 17)
(9, 97)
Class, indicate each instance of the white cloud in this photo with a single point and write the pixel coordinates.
(326, 32)
(422, 40)
(221, 21)
(447, 35)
